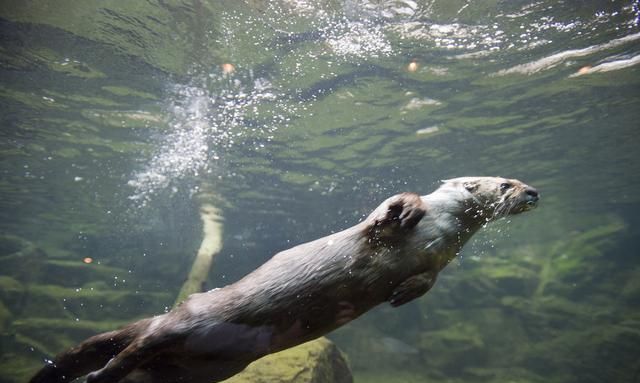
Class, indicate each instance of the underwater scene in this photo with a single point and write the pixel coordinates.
(154, 149)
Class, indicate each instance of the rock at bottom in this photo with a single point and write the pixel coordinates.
(318, 361)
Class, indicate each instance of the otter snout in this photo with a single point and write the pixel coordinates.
(532, 193)
(532, 196)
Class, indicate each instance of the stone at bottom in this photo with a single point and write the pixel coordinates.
(318, 361)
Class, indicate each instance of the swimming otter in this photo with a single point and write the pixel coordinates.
(300, 294)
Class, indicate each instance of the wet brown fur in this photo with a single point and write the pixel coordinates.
(300, 294)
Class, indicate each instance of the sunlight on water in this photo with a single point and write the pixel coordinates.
(357, 29)
(610, 64)
(512, 30)
(359, 40)
(553, 60)
(209, 115)
(217, 110)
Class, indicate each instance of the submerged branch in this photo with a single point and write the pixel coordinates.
(210, 246)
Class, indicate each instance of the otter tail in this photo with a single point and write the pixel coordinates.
(90, 355)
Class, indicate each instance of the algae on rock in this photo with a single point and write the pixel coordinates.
(318, 361)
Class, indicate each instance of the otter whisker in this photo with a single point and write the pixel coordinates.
(504, 208)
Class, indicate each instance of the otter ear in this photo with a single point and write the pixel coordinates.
(470, 186)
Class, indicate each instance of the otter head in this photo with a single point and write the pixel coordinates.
(494, 197)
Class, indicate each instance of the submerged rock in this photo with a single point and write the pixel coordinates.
(318, 361)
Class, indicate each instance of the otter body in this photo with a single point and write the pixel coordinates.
(300, 294)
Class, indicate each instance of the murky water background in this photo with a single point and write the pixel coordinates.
(301, 117)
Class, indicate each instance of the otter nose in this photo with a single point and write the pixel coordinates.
(531, 192)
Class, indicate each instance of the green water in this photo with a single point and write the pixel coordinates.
(116, 115)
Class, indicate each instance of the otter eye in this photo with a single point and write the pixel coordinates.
(505, 186)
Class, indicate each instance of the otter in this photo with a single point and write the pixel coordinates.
(393, 256)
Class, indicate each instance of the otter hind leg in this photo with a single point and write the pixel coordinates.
(412, 288)
(89, 355)
(136, 354)
(396, 215)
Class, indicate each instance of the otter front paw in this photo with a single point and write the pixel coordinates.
(397, 214)
(94, 377)
(412, 288)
